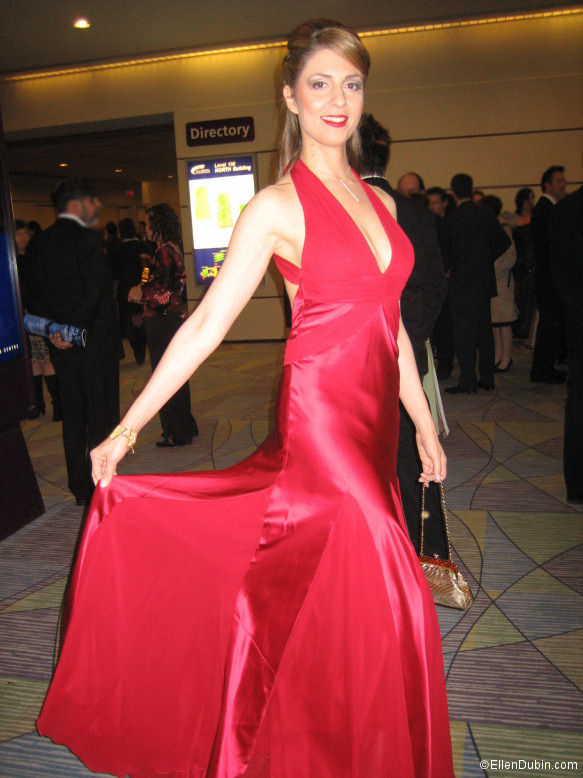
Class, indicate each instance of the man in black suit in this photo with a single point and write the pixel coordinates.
(442, 335)
(473, 241)
(550, 332)
(421, 302)
(566, 264)
(70, 282)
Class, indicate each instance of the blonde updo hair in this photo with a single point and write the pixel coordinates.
(304, 41)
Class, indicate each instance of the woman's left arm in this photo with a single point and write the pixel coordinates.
(411, 394)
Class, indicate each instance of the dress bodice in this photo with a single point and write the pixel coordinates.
(332, 233)
(340, 282)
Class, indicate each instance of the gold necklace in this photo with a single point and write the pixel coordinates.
(340, 180)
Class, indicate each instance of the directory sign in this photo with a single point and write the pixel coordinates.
(219, 189)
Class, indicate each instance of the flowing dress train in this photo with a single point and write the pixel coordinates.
(272, 619)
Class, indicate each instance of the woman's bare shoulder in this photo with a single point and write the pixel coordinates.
(277, 208)
(278, 196)
(275, 211)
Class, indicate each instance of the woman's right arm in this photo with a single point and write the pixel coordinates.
(260, 231)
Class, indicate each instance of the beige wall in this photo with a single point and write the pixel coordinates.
(500, 101)
(160, 192)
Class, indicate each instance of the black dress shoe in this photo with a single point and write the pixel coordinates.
(484, 385)
(165, 443)
(459, 390)
(169, 443)
(503, 369)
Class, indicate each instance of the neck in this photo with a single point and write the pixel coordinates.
(331, 161)
(344, 179)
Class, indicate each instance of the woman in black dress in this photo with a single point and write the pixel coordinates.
(164, 313)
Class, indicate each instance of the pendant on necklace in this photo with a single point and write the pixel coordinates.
(348, 189)
(341, 180)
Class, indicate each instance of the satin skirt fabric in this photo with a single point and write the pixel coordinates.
(273, 614)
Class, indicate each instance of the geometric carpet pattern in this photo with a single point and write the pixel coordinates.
(514, 660)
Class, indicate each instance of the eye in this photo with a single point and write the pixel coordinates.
(356, 86)
(318, 84)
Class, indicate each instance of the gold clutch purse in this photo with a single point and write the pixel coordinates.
(447, 584)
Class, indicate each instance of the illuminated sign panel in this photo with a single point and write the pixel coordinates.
(219, 189)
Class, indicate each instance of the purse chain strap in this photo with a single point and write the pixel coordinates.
(425, 516)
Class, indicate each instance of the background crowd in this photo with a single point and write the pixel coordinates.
(483, 278)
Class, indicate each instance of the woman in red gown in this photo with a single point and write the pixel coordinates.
(272, 619)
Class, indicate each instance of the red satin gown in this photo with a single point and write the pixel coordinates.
(272, 619)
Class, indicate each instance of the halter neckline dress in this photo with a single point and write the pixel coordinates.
(270, 620)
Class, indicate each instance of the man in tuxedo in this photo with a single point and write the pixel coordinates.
(421, 302)
(550, 333)
(566, 264)
(473, 240)
(70, 282)
(442, 335)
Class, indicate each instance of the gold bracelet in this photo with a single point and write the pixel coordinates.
(129, 434)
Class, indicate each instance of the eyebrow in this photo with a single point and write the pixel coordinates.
(327, 75)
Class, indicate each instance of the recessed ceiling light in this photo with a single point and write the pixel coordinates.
(63, 164)
(81, 24)
(118, 170)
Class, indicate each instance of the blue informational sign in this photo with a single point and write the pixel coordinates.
(219, 189)
(10, 331)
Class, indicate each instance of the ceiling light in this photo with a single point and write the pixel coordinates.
(281, 44)
(81, 24)
(63, 164)
(118, 170)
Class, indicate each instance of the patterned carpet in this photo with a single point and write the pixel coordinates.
(514, 661)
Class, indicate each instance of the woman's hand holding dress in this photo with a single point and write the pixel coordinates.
(104, 458)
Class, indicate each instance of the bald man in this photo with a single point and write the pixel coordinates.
(411, 184)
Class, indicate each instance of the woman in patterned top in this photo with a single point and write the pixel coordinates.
(163, 315)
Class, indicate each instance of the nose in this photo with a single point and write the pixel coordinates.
(338, 96)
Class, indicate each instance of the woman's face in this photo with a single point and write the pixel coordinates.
(528, 204)
(328, 98)
(22, 239)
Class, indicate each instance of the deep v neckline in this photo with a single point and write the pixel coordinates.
(376, 204)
